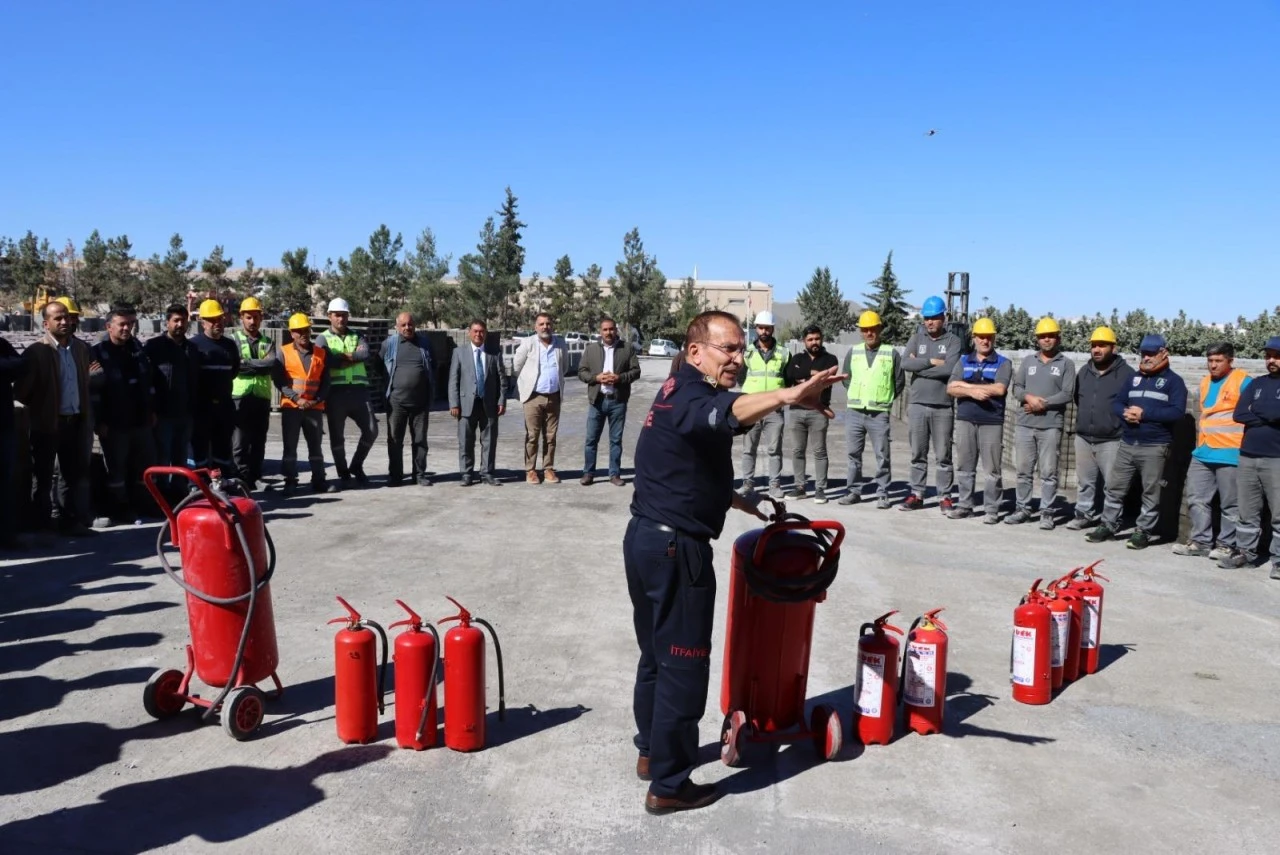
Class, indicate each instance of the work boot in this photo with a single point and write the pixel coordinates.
(911, 503)
(775, 492)
(588, 479)
(1046, 522)
(1018, 517)
(1238, 560)
(946, 505)
(1197, 550)
(289, 489)
(850, 498)
(1101, 533)
(795, 494)
(362, 479)
(747, 488)
(1274, 569)
(960, 513)
(1139, 539)
(991, 518)
(1079, 523)
(1220, 552)
(819, 498)
(883, 503)
(691, 797)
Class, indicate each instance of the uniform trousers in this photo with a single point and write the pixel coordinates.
(1094, 459)
(1258, 478)
(249, 443)
(1203, 480)
(983, 444)
(1036, 450)
(928, 425)
(767, 431)
(349, 401)
(808, 429)
(858, 426)
(1146, 462)
(211, 432)
(310, 424)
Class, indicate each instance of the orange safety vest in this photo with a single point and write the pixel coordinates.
(305, 383)
(1217, 427)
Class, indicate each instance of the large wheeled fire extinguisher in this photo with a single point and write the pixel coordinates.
(1071, 659)
(464, 681)
(1084, 583)
(357, 679)
(924, 674)
(1031, 650)
(875, 691)
(227, 562)
(416, 671)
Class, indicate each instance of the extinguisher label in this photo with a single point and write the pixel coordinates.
(1024, 655)
(1092, 622)
(922, 674)
(1061, 635)
(870, 683)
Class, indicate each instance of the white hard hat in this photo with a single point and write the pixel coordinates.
(337, 304)
(764, 319)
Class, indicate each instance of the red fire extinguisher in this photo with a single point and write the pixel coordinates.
(357, 681)
(1071, 661)
(464, 681)
(1031, 649)
(1085, 584)
(924, 674)
(416, 662)
(1059, 635)
(875, 692)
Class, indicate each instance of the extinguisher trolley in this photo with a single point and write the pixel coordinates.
(227, 562)
(777, 577)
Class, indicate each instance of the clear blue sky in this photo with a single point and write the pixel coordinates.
(1116, 155)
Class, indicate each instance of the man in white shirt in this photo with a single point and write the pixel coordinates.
(540, 364)
(608, 367)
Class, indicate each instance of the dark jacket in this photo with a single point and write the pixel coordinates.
(390, 353)
(11, 368)
(174, 374)
(125, 398)
(40, 391)
(218, 362)
(1094, 393)
(801, 366)
(626, 364)
(1259, 411)
(1163, 399)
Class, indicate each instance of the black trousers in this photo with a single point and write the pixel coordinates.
(249, 442)
(211, 433)
(349, 401)
(673, 595)
(127, 453)
(310, 424)
(68, 448)
(415, 419)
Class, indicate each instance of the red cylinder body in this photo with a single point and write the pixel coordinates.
(1090, 593)
(875, 693)
(464, 688)
(924, 692)
(415, 653)
(1059, 638)
(1071, 663)
(355, 685)
(212, 561)
(1030, 667)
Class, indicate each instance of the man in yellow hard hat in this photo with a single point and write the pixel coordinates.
(979, 384)
(301, 373)
(214, 411)
(73, 313)
(1042, 386)
(875, 379)
(349, 396)
(930, 358)
(251, 392)
(1097, 425)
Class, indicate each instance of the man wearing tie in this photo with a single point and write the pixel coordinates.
(477, 400)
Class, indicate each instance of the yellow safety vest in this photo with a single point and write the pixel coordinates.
(348, 374)
(257, 385)
(1217, 427)
(870, 386)
(765, 375)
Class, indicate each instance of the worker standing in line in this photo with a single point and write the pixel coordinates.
(930, 358)
(980, 382)
(251, 391)
(764, 370)
(1258, 412)
(1043, 386)
(809, 426)
(301, 373)
(214, 412)
(1098, 429)
(349, 394)
(875, 379)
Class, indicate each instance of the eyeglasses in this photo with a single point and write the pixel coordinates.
(604, 330)
(732, 351)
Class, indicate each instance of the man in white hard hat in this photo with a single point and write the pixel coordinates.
(764, 370)
(348, 393)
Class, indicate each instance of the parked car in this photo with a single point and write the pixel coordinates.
(662, 347)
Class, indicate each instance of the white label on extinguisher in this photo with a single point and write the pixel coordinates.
(1024, 655)
(922, 674)
(1092, 622)
(870, 689)
(1061, 637)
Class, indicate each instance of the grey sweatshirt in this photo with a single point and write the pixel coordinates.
(1053, 380)
(929, 382)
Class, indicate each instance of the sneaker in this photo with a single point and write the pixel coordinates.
(1274, 572)
(1199, 550)
(1220, 552)
(1018, 517)
(531, 477)
(990, 519)
(795, 495)
(1100, 533)
(883, 503)
(819, 498)
(959, 513)
(1237, 560)
(1080, 523)
(424, 481)
(850, 498)
(911, 503)
(1047, 522)
(549, 476)
(947, 505)
(747, 488)
(775, 492)
(1139, 539)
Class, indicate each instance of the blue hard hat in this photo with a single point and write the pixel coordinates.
(933, 307)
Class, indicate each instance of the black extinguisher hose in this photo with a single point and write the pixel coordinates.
(502, 686)
(431, 681)
(906, 654)
(794, 589)
(382, 671)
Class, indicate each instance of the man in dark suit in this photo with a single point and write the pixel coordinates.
(477, 399)
(608, 367)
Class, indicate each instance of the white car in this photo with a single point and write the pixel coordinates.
(662, 347)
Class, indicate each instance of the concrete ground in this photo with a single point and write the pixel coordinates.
(1172, 746)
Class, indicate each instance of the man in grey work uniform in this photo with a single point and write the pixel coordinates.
(980, 383)
(1042, 385)
(1097, 428)
(930, 357)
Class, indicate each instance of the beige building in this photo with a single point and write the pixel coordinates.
(739, 297)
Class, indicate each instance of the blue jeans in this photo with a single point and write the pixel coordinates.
(616, 412)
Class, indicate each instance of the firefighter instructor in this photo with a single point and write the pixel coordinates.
(683, 490)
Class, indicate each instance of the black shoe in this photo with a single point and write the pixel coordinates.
(468, 480)
(691, 797)
(289, 489)
(1139, 539)
(361, 478)
(1101, 533)
(490, 480)
(395, 480)
(424, 481)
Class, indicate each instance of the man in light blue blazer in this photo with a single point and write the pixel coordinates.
(477, 399)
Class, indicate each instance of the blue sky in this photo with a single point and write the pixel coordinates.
(1118, 155)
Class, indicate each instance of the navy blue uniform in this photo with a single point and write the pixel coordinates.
(218, 362)
(683, 490)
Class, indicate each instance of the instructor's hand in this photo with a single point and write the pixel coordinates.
(809, 393)
(751, 505)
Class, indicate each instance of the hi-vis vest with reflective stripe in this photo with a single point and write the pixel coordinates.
(762, 375)
(348, 343)
(257, 385)
(1217, 428)
(870, 386)
(306, 382)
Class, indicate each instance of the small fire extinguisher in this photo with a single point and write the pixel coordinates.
(1059, 635)
(416, 671)
(357, 680)
(1086, 585)
(1071, 661)
(875, 693)
(924, 674)
(1030, 653)
(464, 681)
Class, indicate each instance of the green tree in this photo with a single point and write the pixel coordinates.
(821, 303)
(249, 281)
(34, 266)
(169, 278)
(290, 290)
(509, 254)
(639, 293)
(91, 284)
(1015, 328)
(431, 299)
(690, 302)
(888, 299)
(374, 280)
(562, 298)
(482, 293)
(590, 300)
(123, 283)
(213, 276)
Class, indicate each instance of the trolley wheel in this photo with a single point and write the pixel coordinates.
(160, 696)
(243, 711)
(827, 731)
(733, 733)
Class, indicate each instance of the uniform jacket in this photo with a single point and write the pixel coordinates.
(40, 390)
(1055, 381)
(122, 400)
(462, 381)
(1259, 411)
(1163, 399)
(626, 364)
(526, 364)
(1094, 392)
(928, 381)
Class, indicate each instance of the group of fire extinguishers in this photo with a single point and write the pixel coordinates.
(1057, 634)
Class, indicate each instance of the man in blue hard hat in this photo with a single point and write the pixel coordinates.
(930, 357)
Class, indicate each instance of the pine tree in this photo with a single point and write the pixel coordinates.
(820, 303)
(431, 299)
(169, 278)
(509, 254)
(373, 280)
(590, 300)
(290, 290)
(562, 297)
(888, 300)
(639, 293)
(690, 303)
(481, 292)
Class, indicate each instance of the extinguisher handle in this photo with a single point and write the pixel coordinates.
(193, 475)
(881, 623)
(413, 620)
(931, 616)
(1089, 572)
(353, 617)
(794, 522)
(463, 615)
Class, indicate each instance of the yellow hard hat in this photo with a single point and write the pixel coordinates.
(984, 326)
(1048, 326)
(869, 319)
(299, 321)
(1103, 334)
(72, 308)
(211, 310)
(250, 304)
